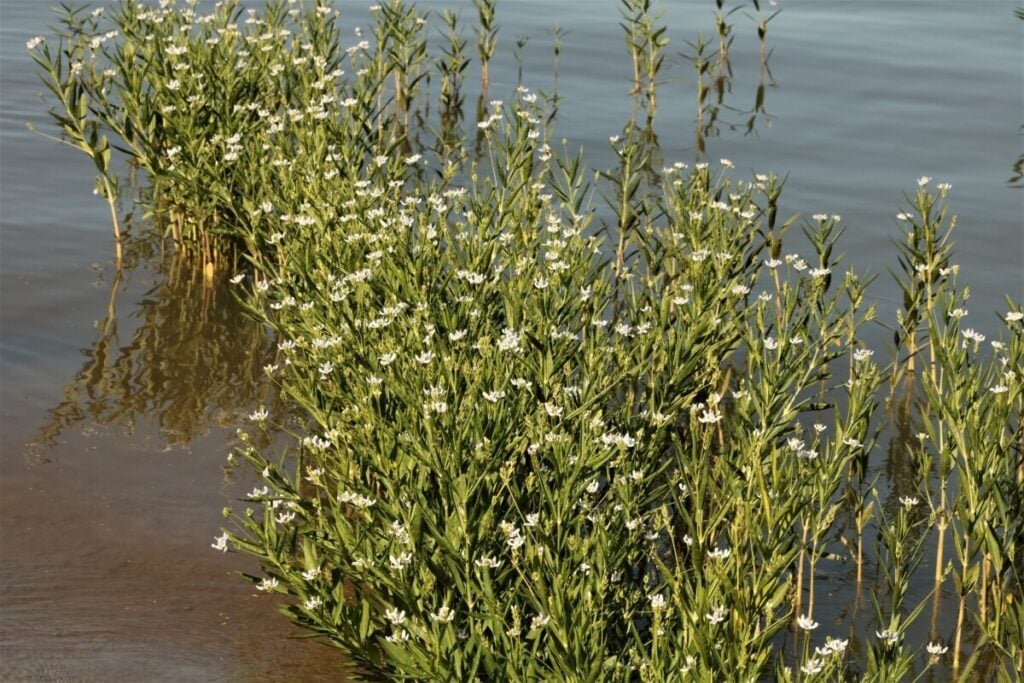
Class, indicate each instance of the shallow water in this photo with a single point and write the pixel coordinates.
(118, 400)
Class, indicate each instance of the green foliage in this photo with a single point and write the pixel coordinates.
(545, 441)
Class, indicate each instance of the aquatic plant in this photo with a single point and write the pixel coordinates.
(77, 83)
(486, 39)
(546, 437)
(646, 42)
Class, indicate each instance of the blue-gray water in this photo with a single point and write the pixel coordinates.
(110, 497)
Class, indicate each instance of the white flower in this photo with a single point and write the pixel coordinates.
(395, 616)
(398, 637)
(770, 343)
(220, 543)
(812, 667)
(258, 492)
(310, 574)
(905, 216)
(936, 649)
(1014, 316)
(509, 340)
(444, 615)
(400, 561)
(971, 335)
(539, 621)
(923, 180)
(908, 501)
(259, 415)
(387, 359)
(890, 637)
(515, 541)
(806, 623)
(489, 562)
(267, 585)
(862, 354)
(313, 602)
(1000, 389)
(613, 438)
(238, 278)
(35, 42)
(552, 410)
(494, 396)
(425, 357)
(709, 417)
(835, 645)
(718, 615)
(720, 553)
(657, 601)
(819, 272)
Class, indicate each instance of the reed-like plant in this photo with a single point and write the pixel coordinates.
(77, 82)
(646, 41)
(486, 38)
(544, 440)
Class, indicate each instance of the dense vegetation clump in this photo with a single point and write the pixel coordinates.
(546, 437)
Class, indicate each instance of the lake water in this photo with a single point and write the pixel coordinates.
(118, 398)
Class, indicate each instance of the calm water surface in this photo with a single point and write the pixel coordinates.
(119, 396)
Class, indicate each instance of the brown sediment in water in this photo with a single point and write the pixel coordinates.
(112, 482)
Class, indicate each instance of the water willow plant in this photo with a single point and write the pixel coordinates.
(514, 441)
(542, 445)
(977, 437)
(646, 42)
(452, 66)
(528, 462)
(76, 82)
(179, 90)
(400, 35)
(486, 40)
